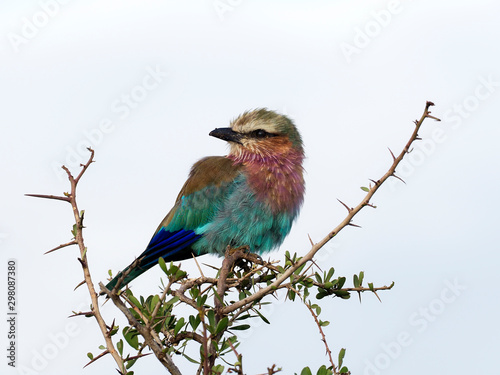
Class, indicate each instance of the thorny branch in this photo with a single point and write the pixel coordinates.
(95, 310)
(346, 222)
(78, 239)
(227, 280)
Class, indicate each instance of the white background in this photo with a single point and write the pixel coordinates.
(352, 75)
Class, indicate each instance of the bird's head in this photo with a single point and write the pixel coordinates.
(261, 134)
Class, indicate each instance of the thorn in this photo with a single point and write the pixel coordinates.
(314, 262)
(377, 296)
(375, 182)
(198, 265)
(434, 118)
(417, 138)
(96, 358)
(370, 205)
(354, 225)
(48, 197)
(61, 246)
(393, 157)
(345, 205)
(87, 314)
(399, 178)
(137, 356)
(310, 240)
(79, 285)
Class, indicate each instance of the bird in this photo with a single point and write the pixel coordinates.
(248, 198)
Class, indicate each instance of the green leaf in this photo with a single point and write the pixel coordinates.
(364, 188)
(240, 328)
(211, 318)
(344, 370)
(194, 321)
(172, 301)
(195, 292)
(90, 355)
(154, 301)
(135, 301)
(323, 370)
(361, 277)
(180, 274)
(324, 323)
(162, 264)
(299, 270)
(119, 346)
(331, 271)
(306, 371)
(341, 282)
(178, 326)
(218, 369)
(356, 281)
(190, 359)
(318, 309)
(129, 365)
(318, 277)
(200, 301)
(113, 331)
(221, 326)
(370, 285)
(102, 347)
(261, 316)
(341, 356)
(132, 338)
(344, 294)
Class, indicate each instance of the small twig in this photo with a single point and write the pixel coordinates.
(149, 339)
(323, 337)
(205, 363)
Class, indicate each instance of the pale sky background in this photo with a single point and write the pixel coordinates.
(352, 75)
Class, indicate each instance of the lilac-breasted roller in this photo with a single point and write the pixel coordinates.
(249, 197)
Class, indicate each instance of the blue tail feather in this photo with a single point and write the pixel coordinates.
(171, 246)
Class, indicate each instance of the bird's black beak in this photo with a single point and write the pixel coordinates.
(226, 134)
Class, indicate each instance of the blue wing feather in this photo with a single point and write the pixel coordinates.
(210, 182)
(169, 245)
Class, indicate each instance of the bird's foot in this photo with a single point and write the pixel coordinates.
(243, 258)
(231, 251)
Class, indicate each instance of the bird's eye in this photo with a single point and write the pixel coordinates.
(259, 133)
